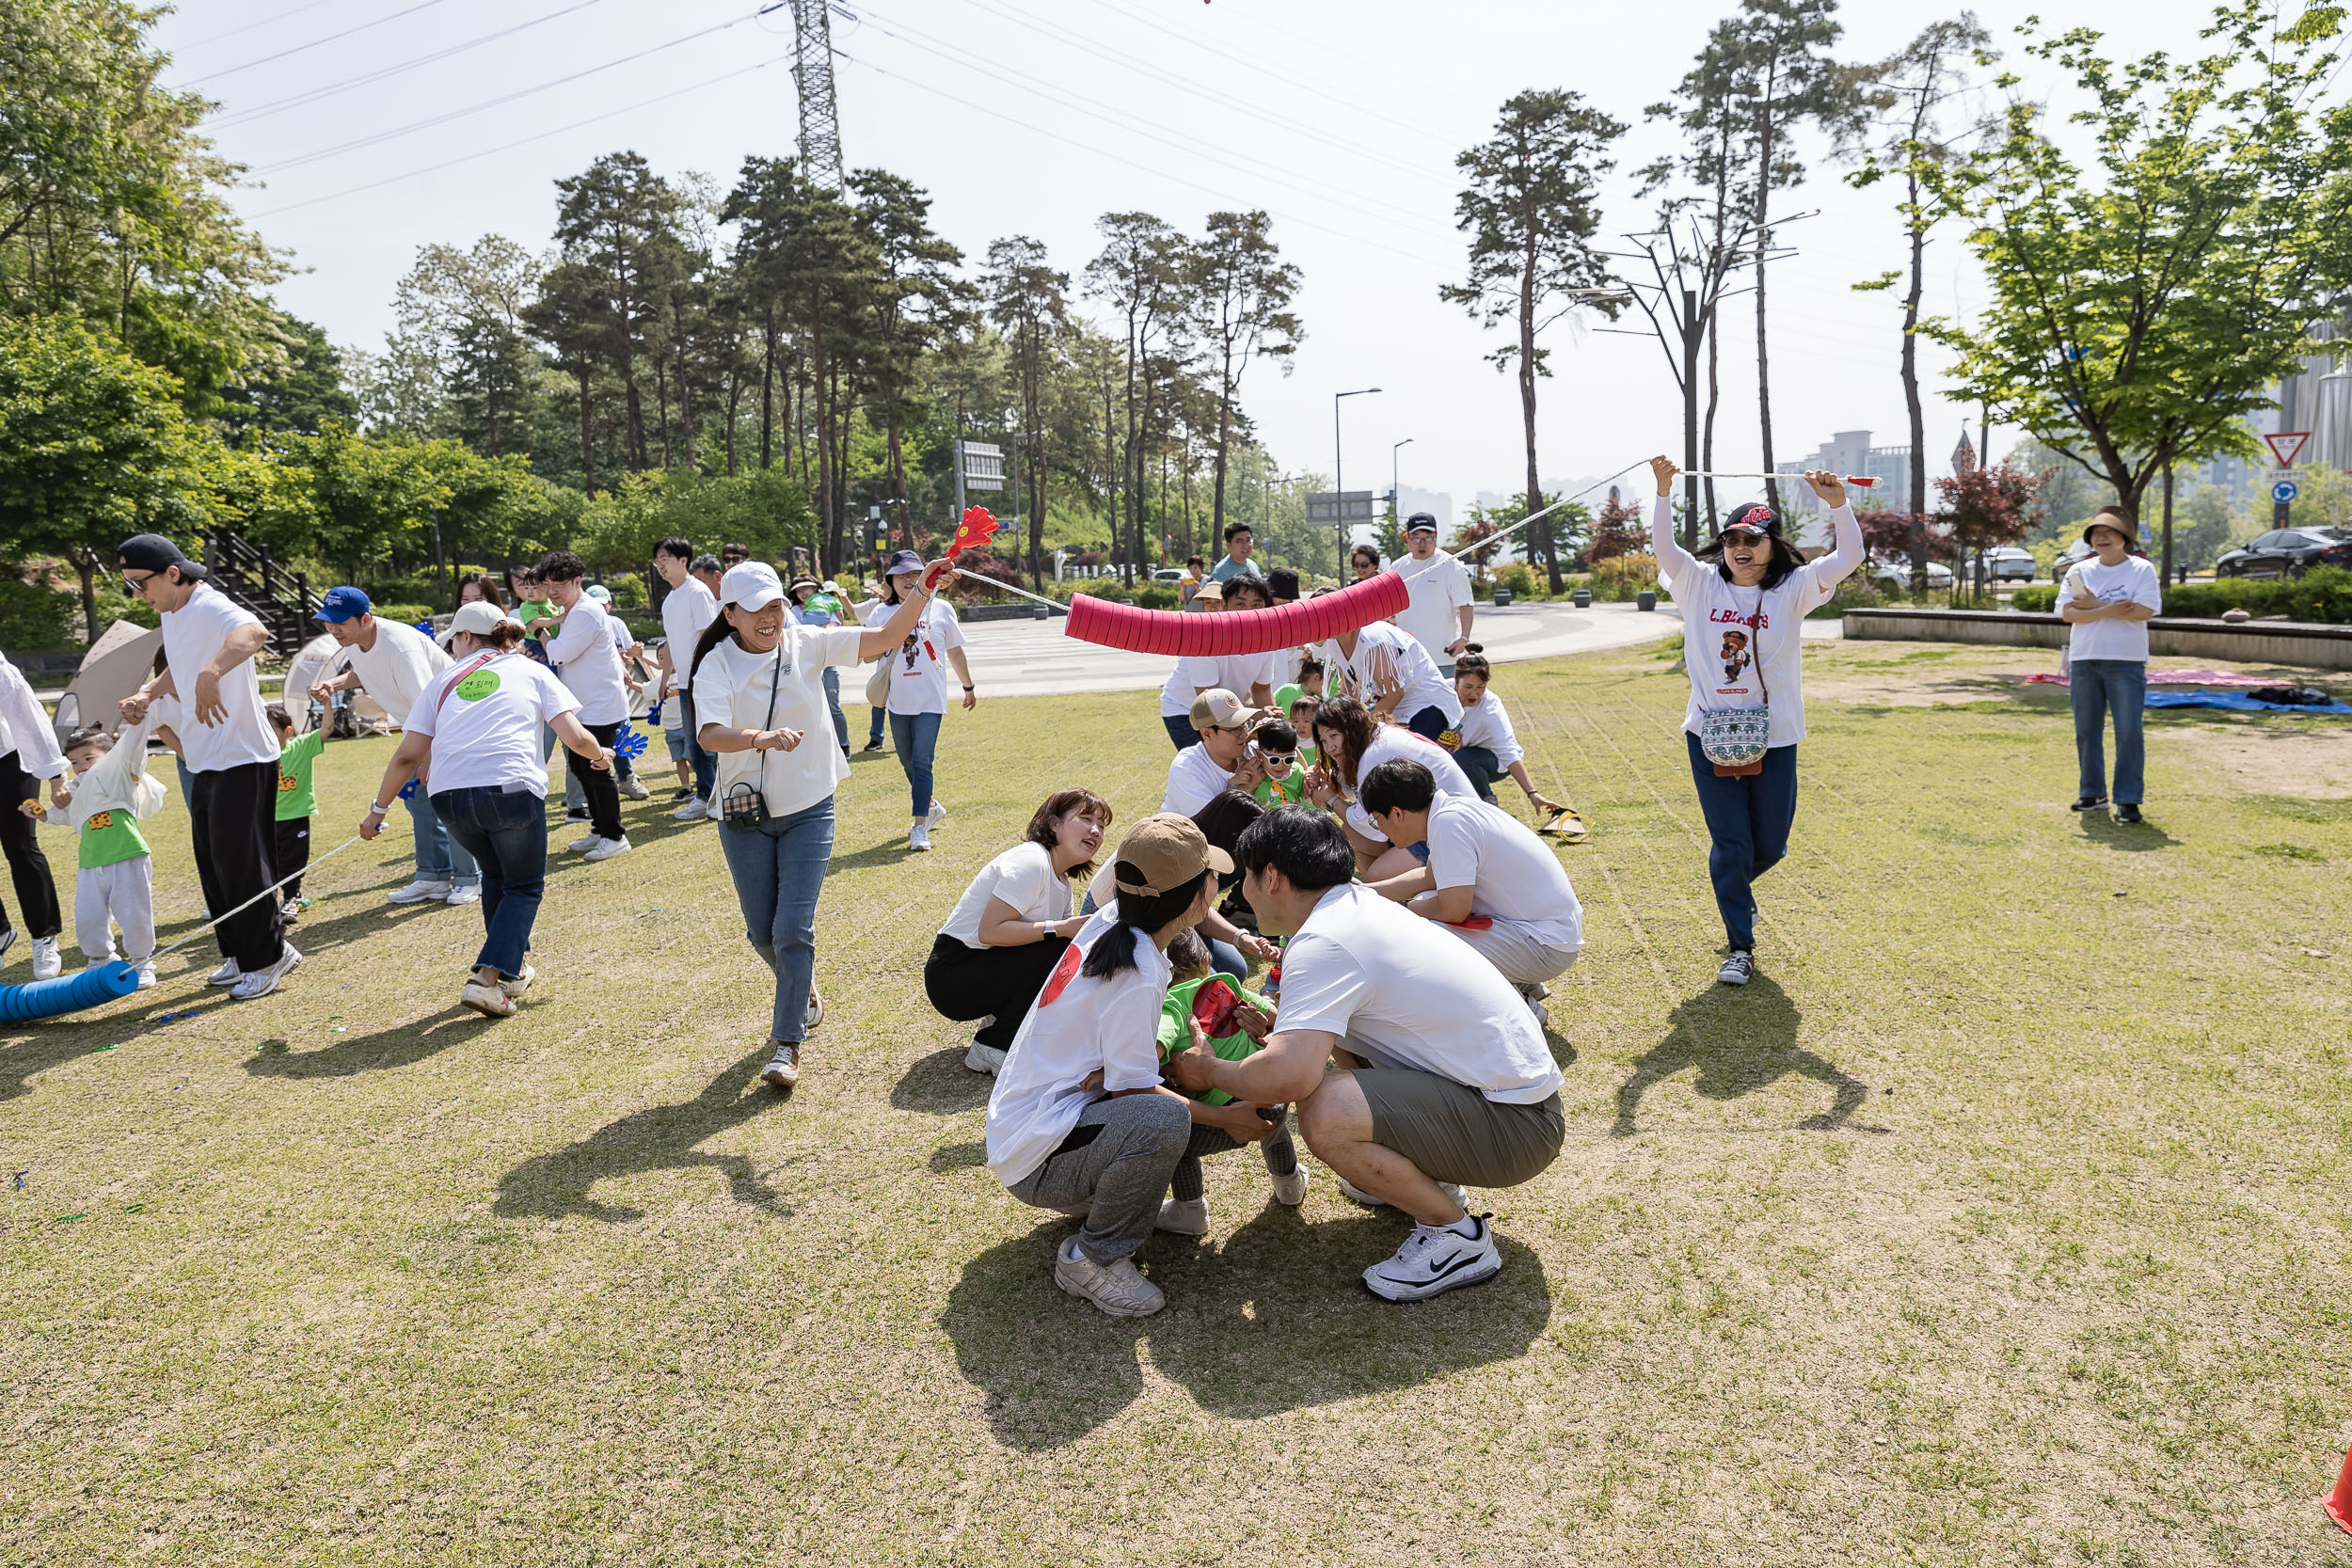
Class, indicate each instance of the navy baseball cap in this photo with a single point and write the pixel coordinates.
(904, 561)
(1420, 522)
(152, 552)
(341, 604)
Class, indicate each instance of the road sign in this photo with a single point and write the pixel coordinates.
(2286, 444)
(983, 465)
(2284, 491)
(1337, 509)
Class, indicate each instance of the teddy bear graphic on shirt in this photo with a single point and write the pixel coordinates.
(1735, 654)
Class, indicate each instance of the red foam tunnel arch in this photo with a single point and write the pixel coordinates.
(1234, 631)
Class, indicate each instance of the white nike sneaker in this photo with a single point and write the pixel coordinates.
(1434, 1259)
(588, 842)
(48, 963)
(919, 837)
(938, 814)
(608, 848)
(260, 982)
(694, 811)
(466, 893)
(420, 891)
(1183, 1216)
(227, 975)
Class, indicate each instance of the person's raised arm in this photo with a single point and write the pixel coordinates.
(1673, 559)
(1846, 532)
(876, 640)
(133, 707)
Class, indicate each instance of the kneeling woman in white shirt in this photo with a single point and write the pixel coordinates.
(1011, 924)
(1743, 599)
(473, 734)
(757, 681)
(1353, 742)
(1079, 1122)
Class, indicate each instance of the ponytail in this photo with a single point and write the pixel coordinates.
(1137, 916)
(712, 635)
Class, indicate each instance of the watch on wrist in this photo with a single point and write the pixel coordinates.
(967, 686)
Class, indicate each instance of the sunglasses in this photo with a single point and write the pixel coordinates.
(1279, 762)
(139, 585)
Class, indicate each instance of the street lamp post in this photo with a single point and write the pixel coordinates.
(1396, 497)
(1339, 478)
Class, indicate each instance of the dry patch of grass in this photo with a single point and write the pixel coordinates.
(2000, 1223)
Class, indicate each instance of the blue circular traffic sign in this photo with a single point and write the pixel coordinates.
(2284, 491)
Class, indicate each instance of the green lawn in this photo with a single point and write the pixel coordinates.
(2000, 1221)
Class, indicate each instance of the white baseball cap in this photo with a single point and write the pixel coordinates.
(477, 616)
(750, 585)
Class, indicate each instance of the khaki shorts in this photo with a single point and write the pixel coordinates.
(1455, 1134)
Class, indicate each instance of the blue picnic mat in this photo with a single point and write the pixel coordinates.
(2241, 701)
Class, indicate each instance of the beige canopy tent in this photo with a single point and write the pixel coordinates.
(117, 664)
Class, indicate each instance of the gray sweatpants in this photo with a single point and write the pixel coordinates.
(104, 896)
(1115, 1168)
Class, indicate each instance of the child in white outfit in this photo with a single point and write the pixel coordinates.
(112, 792)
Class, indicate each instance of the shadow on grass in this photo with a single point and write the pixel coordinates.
(941, 1084)
(31, 1049)
(661, 1137)
(402, 1045)
(2130, 837)
(1740, 1040)
(1275, 1319)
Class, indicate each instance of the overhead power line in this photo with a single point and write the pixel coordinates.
(369, 78)
(248, 26)
(215, 75)
(426, 125)
(525, 141)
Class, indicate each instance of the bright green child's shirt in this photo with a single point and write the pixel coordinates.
(295, 758)
(1176, 1035)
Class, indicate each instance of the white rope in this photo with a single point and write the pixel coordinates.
(1496, 538)
(998, 582)
(281, 881)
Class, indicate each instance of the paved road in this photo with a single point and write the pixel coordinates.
(1032, 658)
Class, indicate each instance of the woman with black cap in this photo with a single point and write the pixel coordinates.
(919, 667)
(1743, 600)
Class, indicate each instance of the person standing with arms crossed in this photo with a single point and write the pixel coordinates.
(2106, 602)
(231, 749)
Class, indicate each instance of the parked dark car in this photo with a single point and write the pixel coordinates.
(2287, 552)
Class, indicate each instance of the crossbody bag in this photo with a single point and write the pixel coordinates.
(1734, 738)
(746, 806)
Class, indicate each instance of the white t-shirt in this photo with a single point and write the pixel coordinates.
(1509, 871)
(24, 728)
(1194, 780)
(1236, 672)
(1405, 993)
(193, 636)
(2132, 577)
(583, 652)
(1439, 589)
(1024, 876)
(397, 668)
(1385, 658)
(1724, 624)
(732, 688)
(1080, 1024)
(1390, 740)
(688, 608)
(486, 732)
(1485, 723)
(920, 675)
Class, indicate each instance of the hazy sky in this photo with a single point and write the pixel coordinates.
(1340, 118)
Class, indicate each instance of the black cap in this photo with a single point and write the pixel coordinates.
(1757, 517)
(1418, 521)
(152, 552)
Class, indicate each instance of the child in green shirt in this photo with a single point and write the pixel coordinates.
(1285, 780)
(1186, 1211)
(116, 882)
(297, 802)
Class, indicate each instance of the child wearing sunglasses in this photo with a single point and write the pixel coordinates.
(1285, 780)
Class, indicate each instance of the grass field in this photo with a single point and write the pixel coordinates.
(2002, 1221)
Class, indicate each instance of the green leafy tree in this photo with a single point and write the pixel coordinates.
(1029, 302)
(2142, 307)
(1242, 291)
(94, 447)
(300, 388)
(617, 221)
(1138, 273)
(1530, 210)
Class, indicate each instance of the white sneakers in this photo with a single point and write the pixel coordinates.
(466, 893)
(147, 976)
(1356, 1195)
(1434, 1259)
(587, 842)
(260, 982)
(520, 983)
(605, 848)
(919, 837)
(1117, 1289)
(938, 814)
(490, 1001)
(984, 1058)
(784, 1068)
(695, 809)
(633, 789)
(1290, 1187)
(419, 891)
(48, 963)
(1183, 1216)
(227, 975)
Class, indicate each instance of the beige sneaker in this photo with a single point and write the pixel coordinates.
(1183, 1216)
(490, 1001)
(1117, 1288)
(784, 1067)
(520, 983)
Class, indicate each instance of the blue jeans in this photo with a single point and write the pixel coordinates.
(1749, 820)
(1479, 763)
(2100, 686)
(439, 857)
(874, 726)
(705, 764)
(832, 701)
(506, 833)
(917, 737)
(779, 870)
(1180, 730)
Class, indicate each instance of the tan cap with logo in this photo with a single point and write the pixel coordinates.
(1219, 709)
(1168, 850)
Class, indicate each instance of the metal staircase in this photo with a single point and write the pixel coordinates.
(282, 600)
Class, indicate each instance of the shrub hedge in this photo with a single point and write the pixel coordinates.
(2324, 595)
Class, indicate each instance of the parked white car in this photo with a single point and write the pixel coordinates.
(2009, 564)
(1895, 576)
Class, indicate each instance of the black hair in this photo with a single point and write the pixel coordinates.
(1310, 667)
(1277, 735)
(1283, 582)
(735, 549)
(1232, 529)
(1139, 916)
(561, 566)
(1472, 660)
(1399, 783)
(1783, 560)
(277, 714)
(1303, 843)
(1371, 551)
(1188, 956)
(1248, 582)
(90, 734)
(675, 549)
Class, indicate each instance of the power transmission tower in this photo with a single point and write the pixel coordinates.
(812, 77)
